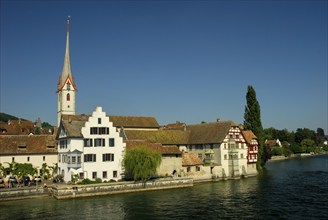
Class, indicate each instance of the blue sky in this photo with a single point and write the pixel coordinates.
(188, 61)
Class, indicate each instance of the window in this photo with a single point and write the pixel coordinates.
(28, 159)
(115, 173)
(199, 147)
(225, 156)
(81, 176)
(108, 157)
(63, 144)
(73, 159)
(100, 130)
(78, 159)
(89, 158)
(68, 86)
(94, 175)
(111, 142)
(13, 159)
(242, 156)
(99, 142)
(44, 158)
(99, 120)
(68, 97)
(87, 142)
(105, 175)
(197, 169)
(188, 169)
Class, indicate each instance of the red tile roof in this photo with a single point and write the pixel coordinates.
(249, 135)
(191, 159)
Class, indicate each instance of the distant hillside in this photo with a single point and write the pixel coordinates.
(6, 117)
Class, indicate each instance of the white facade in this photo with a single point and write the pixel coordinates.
(35, 159)
(66, 99)
(234, 153)
(97, 154)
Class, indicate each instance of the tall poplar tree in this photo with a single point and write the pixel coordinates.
(252, 121)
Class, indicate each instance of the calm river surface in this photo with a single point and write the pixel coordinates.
(289, 189)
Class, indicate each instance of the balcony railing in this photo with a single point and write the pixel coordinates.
(74, 165)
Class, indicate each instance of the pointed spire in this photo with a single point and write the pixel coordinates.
(67, 71)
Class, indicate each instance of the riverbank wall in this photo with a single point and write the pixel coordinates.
(23, 193)
(78, 191)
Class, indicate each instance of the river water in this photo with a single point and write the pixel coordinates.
(288, 189)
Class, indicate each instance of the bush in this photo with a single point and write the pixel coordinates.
(86, 181)
(277, 151)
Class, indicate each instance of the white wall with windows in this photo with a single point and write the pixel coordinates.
(97, 154)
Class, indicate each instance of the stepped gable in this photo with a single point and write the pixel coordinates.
(249, 135)
(164, 150)
(209, 133)
(27, 144)
(165, 137)
(134, 121)
(191, 159)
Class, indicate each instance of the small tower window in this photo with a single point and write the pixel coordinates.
(99, 120)
(68, 97)
(68, 86)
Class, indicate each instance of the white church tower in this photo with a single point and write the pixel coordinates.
(66, 89)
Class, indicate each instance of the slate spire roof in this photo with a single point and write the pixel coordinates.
(67, 71)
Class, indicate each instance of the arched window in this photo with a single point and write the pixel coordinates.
(68, 97)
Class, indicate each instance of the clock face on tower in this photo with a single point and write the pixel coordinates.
(68, 86)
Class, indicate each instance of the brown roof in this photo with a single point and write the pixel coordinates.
(16, 127)
(191, 159)
(271, 143)
(175, 126)
(249, 135)
(209, 133)
(27, 144)
(164, 150)
(74, 123)
(165, 137)
(134, 121)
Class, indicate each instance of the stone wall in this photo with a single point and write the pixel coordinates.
(23, 193)
(77, 191)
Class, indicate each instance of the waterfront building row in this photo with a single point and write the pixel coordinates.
(93, 146)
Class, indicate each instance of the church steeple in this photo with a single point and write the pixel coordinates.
(67, 71)
(66, 87)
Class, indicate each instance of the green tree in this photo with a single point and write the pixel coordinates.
(320, 136)
(23, 169)
(44, 171)
(2, 170)
(308, 145)
(277, 151)
(304, 133)
(54, 169)
(252, 121)
(141, 162)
